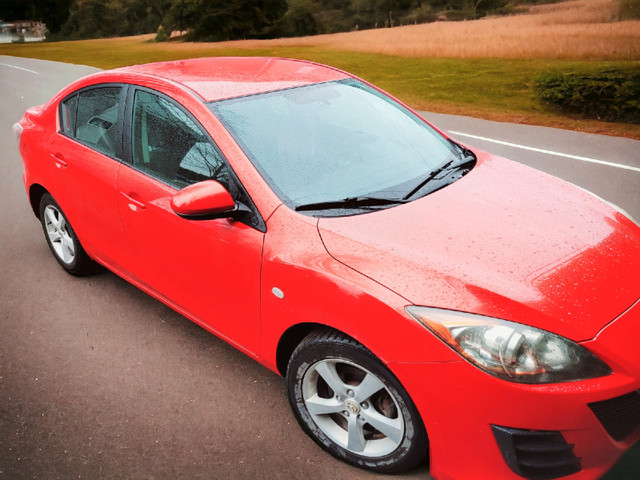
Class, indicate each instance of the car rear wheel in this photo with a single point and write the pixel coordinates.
(352, 405)
(62, 240)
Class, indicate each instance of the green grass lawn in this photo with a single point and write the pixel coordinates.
(485, 88)
(494, 89)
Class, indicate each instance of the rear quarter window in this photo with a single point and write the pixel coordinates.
(68, 110)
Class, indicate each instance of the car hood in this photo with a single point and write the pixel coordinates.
(505, 241)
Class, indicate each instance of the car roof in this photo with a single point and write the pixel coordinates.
(217, 78)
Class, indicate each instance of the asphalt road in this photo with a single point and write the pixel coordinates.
(99, 380)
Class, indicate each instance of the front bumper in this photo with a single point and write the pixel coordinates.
(460, 407)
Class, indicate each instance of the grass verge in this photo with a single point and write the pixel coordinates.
(494, 89)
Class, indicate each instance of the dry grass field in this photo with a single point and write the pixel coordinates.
(576, 30)
(485, 68)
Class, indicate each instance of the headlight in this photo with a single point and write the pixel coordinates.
(511, 351)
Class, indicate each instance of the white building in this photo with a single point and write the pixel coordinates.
(22, 31)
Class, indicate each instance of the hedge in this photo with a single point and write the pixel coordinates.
(629, 10)
(610, 95)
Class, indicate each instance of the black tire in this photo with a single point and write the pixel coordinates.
(62, 240)
(337, 418)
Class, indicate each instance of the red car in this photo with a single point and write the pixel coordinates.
(421, 298)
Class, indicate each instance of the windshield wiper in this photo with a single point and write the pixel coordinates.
(467, 160)
(430, 176)
(460, 162)
(350, 202)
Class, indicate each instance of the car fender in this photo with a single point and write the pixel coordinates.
(303, 285)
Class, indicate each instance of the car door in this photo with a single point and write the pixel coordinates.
(207, 269)
(86, 154)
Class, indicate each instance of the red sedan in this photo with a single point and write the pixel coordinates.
(421, 298)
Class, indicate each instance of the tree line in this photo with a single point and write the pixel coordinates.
(215, 20)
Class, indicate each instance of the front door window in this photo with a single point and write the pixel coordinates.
(168, 145)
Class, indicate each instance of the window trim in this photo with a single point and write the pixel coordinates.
(119, 125)
(61, 119)
(236, 189)
(127, 133)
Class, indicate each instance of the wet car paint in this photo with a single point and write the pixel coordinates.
(357, 274)
(463, 246)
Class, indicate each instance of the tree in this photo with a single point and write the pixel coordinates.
(225, 19)
(109, 18)
(475, 7)
(298, 21)
(51, 12)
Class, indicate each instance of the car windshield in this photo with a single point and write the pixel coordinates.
(334, 141)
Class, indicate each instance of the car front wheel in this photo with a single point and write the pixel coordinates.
(62, 240)
(353, 406)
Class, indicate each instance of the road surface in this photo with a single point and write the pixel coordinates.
(99, 380)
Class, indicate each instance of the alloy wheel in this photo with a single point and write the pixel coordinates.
(59, 236)
(353, 407)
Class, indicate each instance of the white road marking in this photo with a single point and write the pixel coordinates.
(19, 68)
(548, 152)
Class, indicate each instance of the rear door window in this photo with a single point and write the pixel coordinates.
(92, 117)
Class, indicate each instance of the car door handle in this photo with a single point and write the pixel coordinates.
(58, 159)
(134, 204)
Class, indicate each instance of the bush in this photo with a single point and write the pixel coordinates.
(161, 35)
(611, 95)
(424, 14)
(629, 9)
(459, 15)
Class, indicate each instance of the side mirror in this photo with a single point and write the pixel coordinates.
(203, 200)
